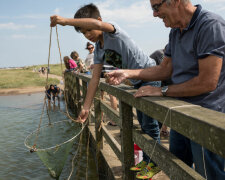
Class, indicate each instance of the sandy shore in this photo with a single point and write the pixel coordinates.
(16, 91)
(28, 90)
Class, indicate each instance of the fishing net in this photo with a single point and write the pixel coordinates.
(54, 143)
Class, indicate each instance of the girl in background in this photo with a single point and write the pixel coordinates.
(69, 63)
(81, 67)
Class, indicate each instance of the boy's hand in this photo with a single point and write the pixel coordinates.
(116, 77)
(92, 66)
(57, 20)
(83, 115)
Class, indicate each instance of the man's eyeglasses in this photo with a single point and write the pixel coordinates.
(90, 48)
(156, 7)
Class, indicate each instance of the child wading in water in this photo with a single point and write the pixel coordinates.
(116, 48)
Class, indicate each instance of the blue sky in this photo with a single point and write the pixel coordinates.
(24, 27)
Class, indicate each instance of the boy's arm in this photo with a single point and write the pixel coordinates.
(92, 88)
(155, 73)
(83, 23)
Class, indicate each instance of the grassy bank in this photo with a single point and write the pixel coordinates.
(18, 78)
(54, 68)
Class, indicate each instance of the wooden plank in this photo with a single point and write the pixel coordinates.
(112, 142)
(201, 125)
(127, 144)
(111, 113)
(171, 165)
(84, 88)
(78, 96)
(204, 126)
(105, 171)
(83, 77)
(98, 125)
(98, 130)
(92, 117)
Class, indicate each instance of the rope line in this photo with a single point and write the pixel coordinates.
(49, 54)
(33, 148)
(46, 85)
(68, 115)
(67, 112)
(83, 125)
(169, 112)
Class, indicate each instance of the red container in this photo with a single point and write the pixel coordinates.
(137, 154)
(136, 147)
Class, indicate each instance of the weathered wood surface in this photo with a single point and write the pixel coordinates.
(105, 171)
(127, 144)
(98, 130)
(171, 165)
(112, 142)
(202, 125)
(78, 96)
(199, 124)
(111, 113)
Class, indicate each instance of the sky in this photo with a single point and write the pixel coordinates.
(25, 27)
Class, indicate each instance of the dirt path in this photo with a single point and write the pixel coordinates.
(56, 77)
(31, 89)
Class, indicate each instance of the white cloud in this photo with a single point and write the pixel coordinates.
(25, 36)
(57, 11)
(137, 13)
(19, 36)
(219, 5)
(13, 26)
(213, 1)
(221, 8)
(32, 16)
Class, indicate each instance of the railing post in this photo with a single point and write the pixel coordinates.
(127, 144)
(84, 92)
(78, 96)
(68, 92)
(74, 96)
(98, 131)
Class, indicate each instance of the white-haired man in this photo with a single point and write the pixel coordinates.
(194, 60)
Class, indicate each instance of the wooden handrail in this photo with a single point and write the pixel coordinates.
(199, 124)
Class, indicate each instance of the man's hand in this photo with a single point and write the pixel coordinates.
(83, 115)
(148, 91)
(116, 77)
(57, 20)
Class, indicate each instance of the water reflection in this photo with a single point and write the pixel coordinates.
(20, 115)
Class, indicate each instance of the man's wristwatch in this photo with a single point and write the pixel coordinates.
(164, 90)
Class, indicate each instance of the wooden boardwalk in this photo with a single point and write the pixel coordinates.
(111, 157)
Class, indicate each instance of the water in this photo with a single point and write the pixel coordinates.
(19, 116)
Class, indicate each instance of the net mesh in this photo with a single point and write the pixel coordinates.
(54, 143)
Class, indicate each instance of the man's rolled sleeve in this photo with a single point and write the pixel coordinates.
(211, 40)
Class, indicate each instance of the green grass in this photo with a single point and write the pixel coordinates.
(54, 68)
(17, 78)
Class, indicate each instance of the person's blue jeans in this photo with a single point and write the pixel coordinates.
(191, 152)
(149, 125)
(88, 73)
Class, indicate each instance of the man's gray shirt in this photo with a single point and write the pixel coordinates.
(204, 36)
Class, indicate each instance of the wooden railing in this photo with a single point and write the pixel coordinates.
(205, 127)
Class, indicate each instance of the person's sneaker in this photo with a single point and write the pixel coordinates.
(148, 172)
(140, 166)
